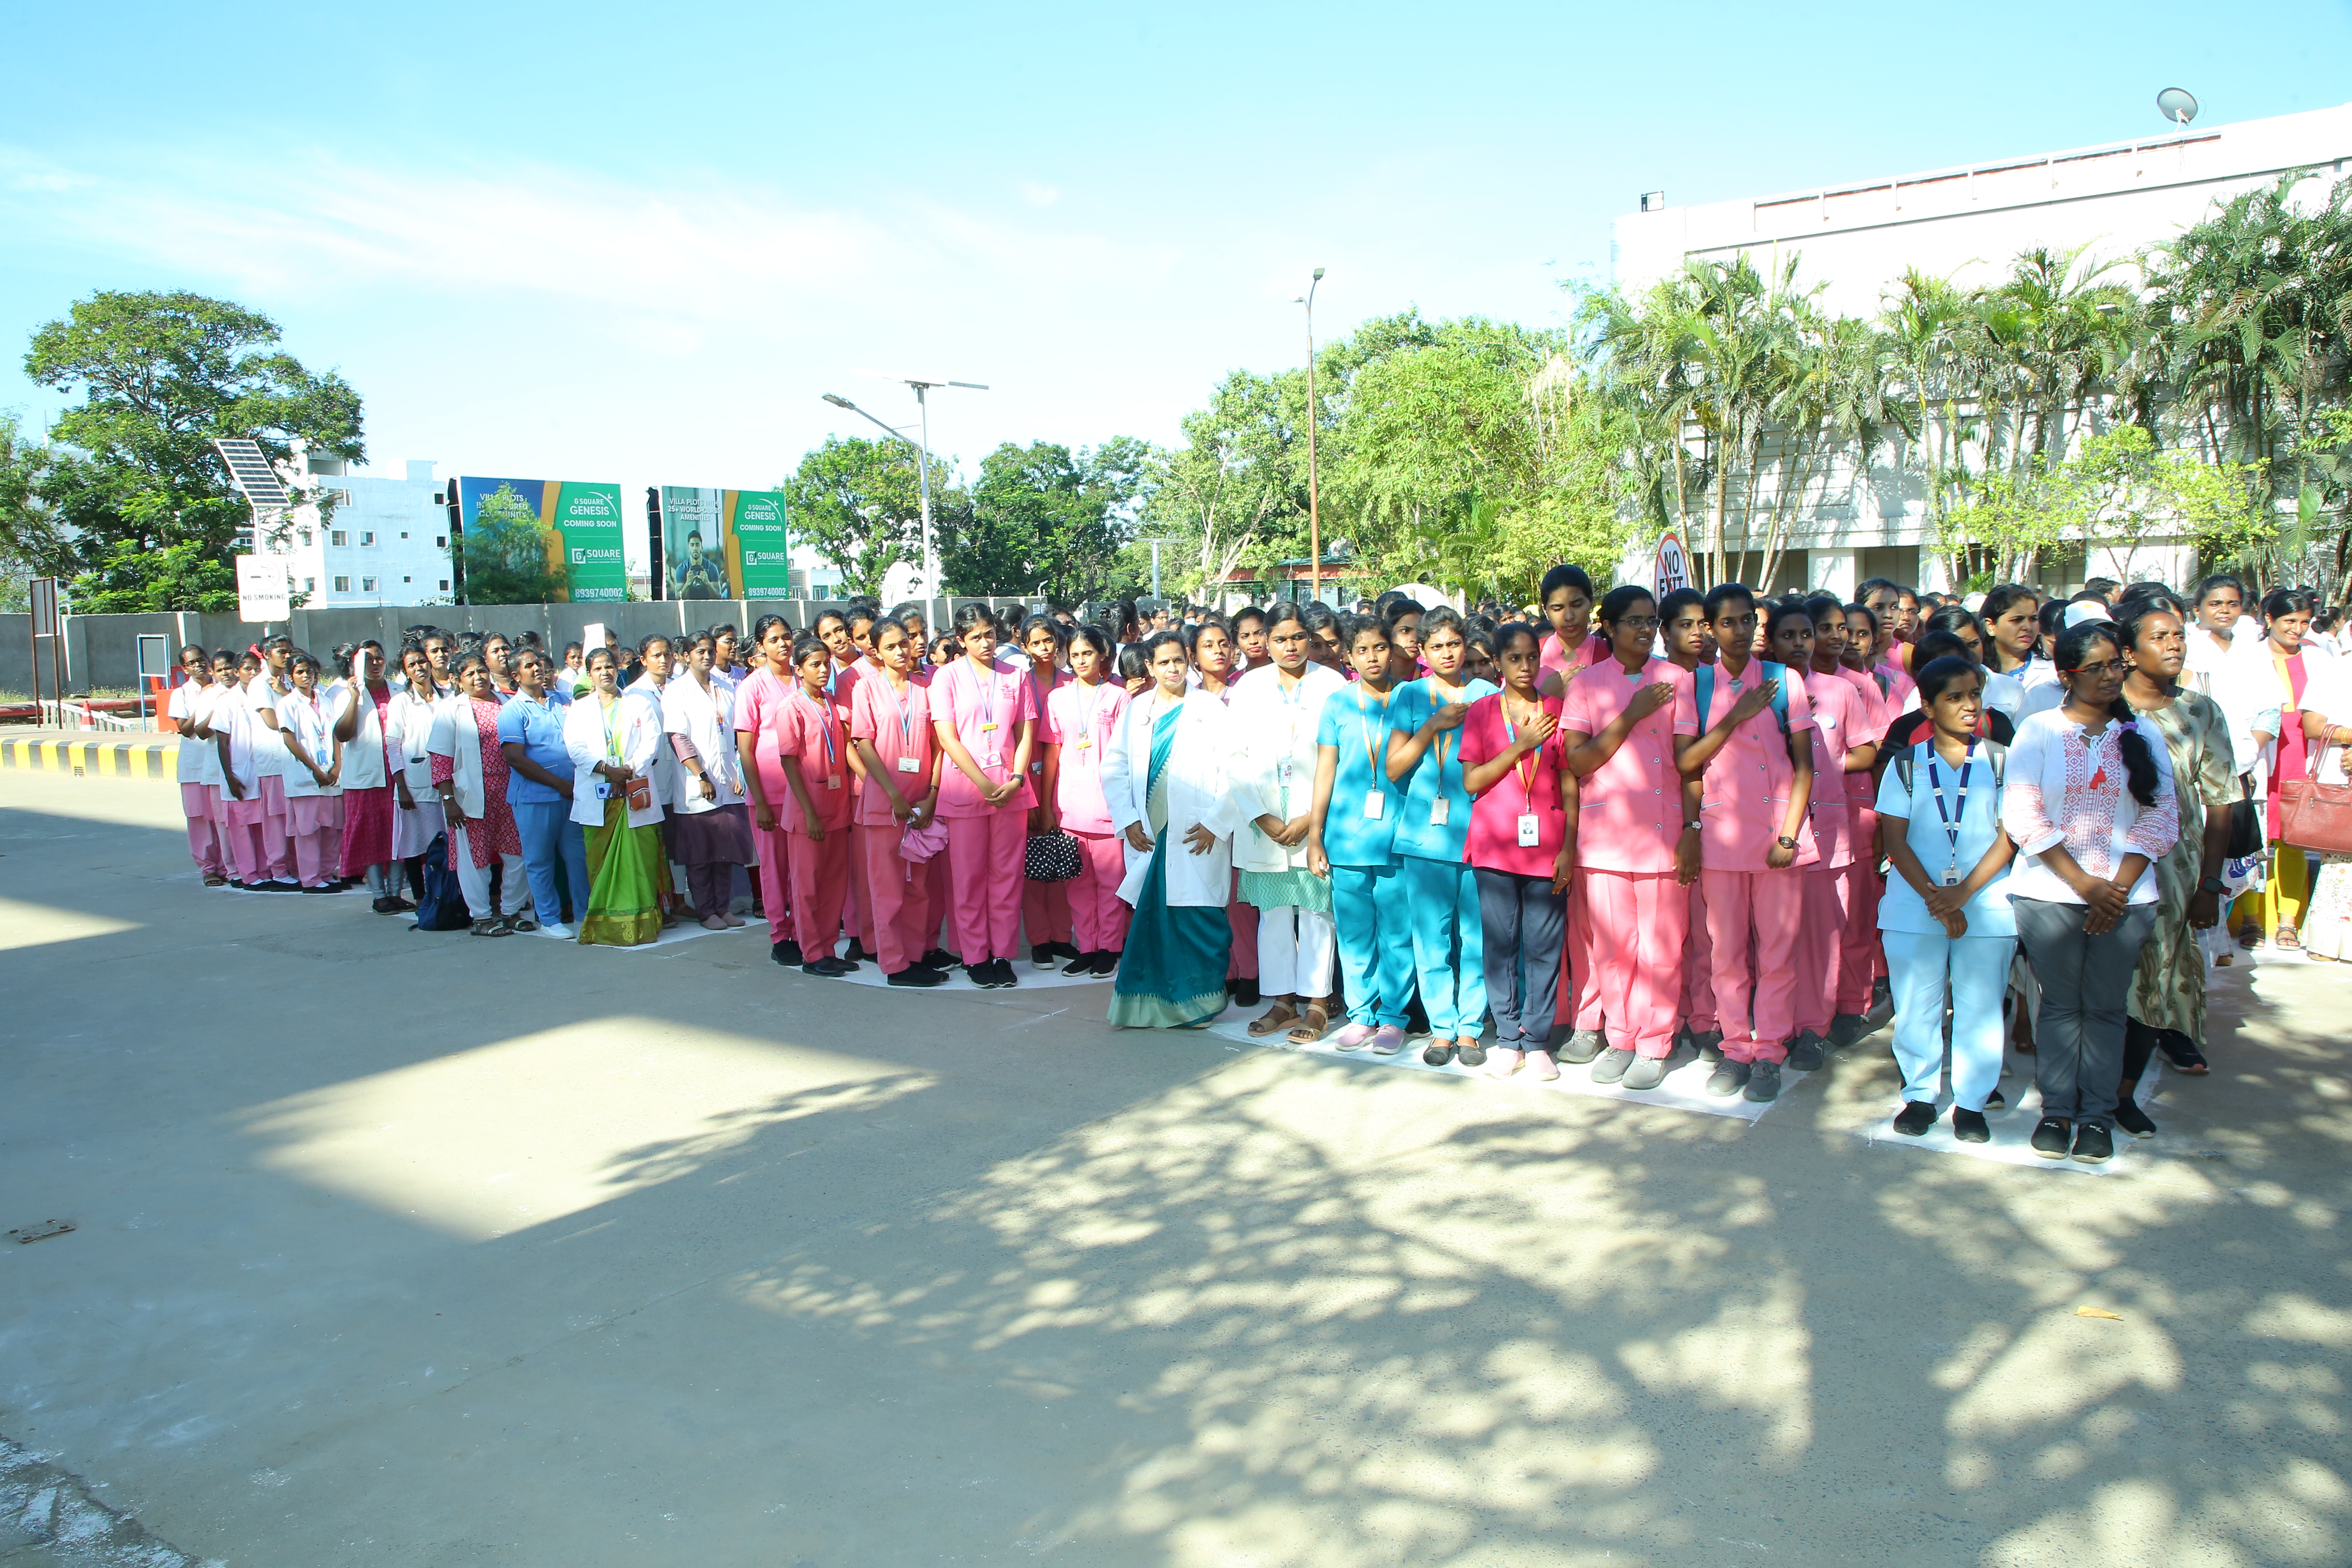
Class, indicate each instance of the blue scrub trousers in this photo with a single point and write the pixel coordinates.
(549, 839)
(1919, 966)
(1375, 943)
(1442, 906)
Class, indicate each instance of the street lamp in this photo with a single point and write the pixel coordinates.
(922, 450)
(1314, 501)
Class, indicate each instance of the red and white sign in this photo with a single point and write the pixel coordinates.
(1674, 566)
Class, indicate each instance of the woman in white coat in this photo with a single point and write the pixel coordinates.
(711, 833)
(1277, 710)
(417, 819)
(613, 740)
(1167, 779)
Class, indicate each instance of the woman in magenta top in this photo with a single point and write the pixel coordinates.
(761, 700)
(1522, 847)
(892, 746)
(1081, 717)
(813, 745)
(985, 716)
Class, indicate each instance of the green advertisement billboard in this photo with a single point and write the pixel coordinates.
(565, 528)
(724, 545)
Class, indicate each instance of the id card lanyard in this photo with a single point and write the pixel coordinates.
(1530, 825)
(903, 708)
(1441, 807)
(1292, 701)
(1376, 800)
(992, 755)
(825, 726)
(1952, 820)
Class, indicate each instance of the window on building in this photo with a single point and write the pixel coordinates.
(310, 584)
(342, 584)
(306, 539)
(366, 540)
(404, 533)
(444, 584)
(338, 538)
(367, 584)
(440, 541)
(407, 579)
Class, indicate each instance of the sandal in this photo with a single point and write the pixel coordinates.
(2287, 940)
(1311, 1025)
(524, 922)
(489, 928)
(2250, 937)
(1275, 1017)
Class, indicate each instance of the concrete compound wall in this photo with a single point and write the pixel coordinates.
(102, 651)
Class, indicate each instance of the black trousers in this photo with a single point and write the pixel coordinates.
(1526, 927)
(2078, 1036)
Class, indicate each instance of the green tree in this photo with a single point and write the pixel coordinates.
(1236, 491)
(163, 375)
(1045, 520)
(505, 552)
(859, 504)
(32, 544)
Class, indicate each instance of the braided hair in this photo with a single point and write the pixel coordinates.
(2139, 763)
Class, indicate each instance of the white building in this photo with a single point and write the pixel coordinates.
(1968, 224)
(381, 541)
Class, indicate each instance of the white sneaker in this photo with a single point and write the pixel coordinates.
(560, 931)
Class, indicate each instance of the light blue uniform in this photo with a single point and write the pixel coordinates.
(1441, 890)
(1359, 840)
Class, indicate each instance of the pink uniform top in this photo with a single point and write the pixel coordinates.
(1555, 661)
(1749, 783)
(986, 713)
(759, 704)
(1630, 809)
(1042, 698)
(1873, 713)
(808, 731)
(899, 726)
(1082, 722)
(1900, 688)
(1531, 786)
(1838, 726)
(841, 684)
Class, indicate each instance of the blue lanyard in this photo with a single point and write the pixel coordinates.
(1958, 814)
(825, 726)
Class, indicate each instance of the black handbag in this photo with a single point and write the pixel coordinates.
(1050, 858)
(2245, 829)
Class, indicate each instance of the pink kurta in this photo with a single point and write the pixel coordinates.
(1531, 784)
(1555, 661)
(761, 703)
(807, 730)
(1748, 782)
(1630, 809)
(1081, 720)
(986, 713)
(898, 725)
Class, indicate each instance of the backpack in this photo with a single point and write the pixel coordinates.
(1703, 677)
(1993, 750)
(442, 904)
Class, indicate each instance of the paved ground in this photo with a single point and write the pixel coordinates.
(405, 1249)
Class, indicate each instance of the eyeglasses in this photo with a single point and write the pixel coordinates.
(1639, 623)
(2112, 667)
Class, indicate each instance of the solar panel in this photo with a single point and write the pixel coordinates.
(250, 471)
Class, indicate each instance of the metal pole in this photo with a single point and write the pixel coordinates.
(1314, 500)
(1155, 568)
(923, 412)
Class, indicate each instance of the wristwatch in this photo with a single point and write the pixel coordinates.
(2212, 885)
(1787, 842)
(1693, 826)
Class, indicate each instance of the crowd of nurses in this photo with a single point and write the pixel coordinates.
(1622, 830)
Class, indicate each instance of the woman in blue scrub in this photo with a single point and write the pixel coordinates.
(1441, 892)
(1352, 842)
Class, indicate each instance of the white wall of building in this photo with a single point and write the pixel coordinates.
(382, 541)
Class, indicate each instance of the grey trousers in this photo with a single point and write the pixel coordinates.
(2078, 1035)
(1524, 941)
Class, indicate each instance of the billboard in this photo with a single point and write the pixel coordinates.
(724, 545)
(564, 527)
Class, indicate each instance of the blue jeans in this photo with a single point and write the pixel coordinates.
(549, 837)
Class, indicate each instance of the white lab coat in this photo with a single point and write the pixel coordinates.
(363, 752)
(706, 719)
(455, 736)
(1200, 781)
(664, 770)
(309, 726)
(1271, 730)
(639, 727)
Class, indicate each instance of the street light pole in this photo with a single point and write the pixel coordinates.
(1314, 498)
(922, 453)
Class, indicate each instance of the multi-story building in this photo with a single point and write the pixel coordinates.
(1968, 224)
(354, 539)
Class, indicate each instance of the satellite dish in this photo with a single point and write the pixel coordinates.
(2176, 104)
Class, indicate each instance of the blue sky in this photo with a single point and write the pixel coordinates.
(635, 243)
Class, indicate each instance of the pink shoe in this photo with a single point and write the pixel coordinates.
(712, 922)
(1503, 1061)
(733, 920)
(1541, 1064)
(1352, 1036)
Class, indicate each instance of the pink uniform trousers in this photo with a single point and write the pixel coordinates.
(1046, 911)
(858, 911)
(1099, 915)
(984, 860)
(897, 894)
(940, 927)
(1698, 965)
(1753, 999)
(776, 881)
(207, 843)
(1640, 926)
(820, 883)
(1821, 944)
(1580, 997)
(277, 846)
(314, 827)
(240, 830)
(1871, 888)
(1242, 918)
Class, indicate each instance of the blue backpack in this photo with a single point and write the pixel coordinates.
(442, 906)
(1703, 677)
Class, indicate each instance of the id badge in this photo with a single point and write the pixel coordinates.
(1530, 830)
(1951, 879)
(603, 788)
(908, 765)
(833, 781)
(1286, 770)
(1440, 810)
(1375, 805)
(990, 760)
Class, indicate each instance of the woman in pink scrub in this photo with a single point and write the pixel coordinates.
(890, 737)
(1082, 718)
(1857, 955)
(1688, 642)
(1045, 906)
(814, 746)
(762, 700)
(1573, 648)
(1636, 851)
(1744, 731)
(985, 716)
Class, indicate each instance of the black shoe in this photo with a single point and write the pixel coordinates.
(2093, 1144)
(274, 887)
(1729, 1079)
(1107, 966)
(1004, 974)
(1437, 1053)
(1611, 1065)
(1996, 1101)
(1763, 1083)
(941, 959)
(1245, 990)
(786, 952)
(1806, 1052)
(1882, 1005)
(1582, 1046)
(2052, 1137)
(917, 976)
(2133, 1119)
(1969, 1126)
(826, 968)
(1042, 956)
(1065, 950)
(1471, 1055)
(385, 906)
(856, 951)
(2182, 1053)
(1916, 1117)
(1709, 1044)
(1080, 964)
(1850, 1028)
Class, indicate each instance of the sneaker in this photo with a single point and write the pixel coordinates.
(1969, 1126)
(1245, 991)
(825, 968)
(2180, 1053)
(1996, 1101)
(1083, 963)
(855, 953)
(1107, 966)
(1387, 1040)
(939, 958)
(1613, 1065)
(915, 974)
(1729, 1079)
(1916, 1117)
(1541, 1066)
(1040, 957)
(1850, 1028)
(556, 930)
(1807, 1052)
(2093, 1144)
(1503, 1061)
(1352, 1036)
(2133, 1119)
(1708, 1045)
(786, 952)
(2052, 1137)
(1882, 1005)
(1763, 1083)
(1582, 1046)
(1645, 1072)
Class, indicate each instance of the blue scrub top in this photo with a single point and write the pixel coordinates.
(1350, 718)
(1429, 781)
(539, 726)
(1902, 909)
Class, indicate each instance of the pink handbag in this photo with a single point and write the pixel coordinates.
(919, 844)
